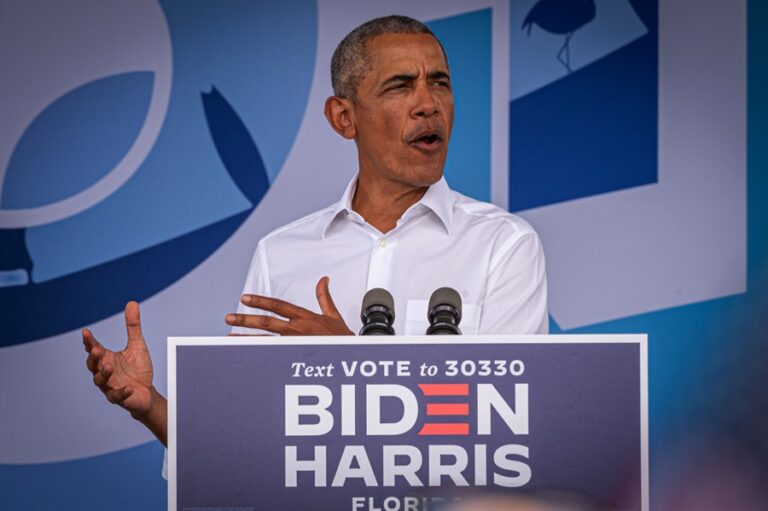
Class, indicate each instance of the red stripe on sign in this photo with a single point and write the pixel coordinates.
(444, 389)
(447, 409)
(457, 428)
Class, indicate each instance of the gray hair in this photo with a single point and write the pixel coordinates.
(350, 60)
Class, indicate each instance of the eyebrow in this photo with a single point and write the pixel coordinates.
(434, 75)
(398, 78)
(439, 75)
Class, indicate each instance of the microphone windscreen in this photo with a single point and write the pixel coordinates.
(445, 296)
(379, 296)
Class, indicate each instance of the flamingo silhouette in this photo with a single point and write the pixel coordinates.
(561, 17)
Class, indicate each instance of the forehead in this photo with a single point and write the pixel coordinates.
(398, 53)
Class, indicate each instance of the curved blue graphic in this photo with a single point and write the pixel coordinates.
(98, 292)
(235, 147)
(263, 71)
(15, 262)
(210, 166)
(141, 486)
(76, 140)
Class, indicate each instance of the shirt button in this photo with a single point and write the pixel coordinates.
(383, 243)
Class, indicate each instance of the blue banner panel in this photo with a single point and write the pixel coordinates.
(406, 425)
(583, 99)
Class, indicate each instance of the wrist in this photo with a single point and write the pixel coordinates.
(155, 418)
(156, 403)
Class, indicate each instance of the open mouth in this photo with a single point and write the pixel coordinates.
(428, 141)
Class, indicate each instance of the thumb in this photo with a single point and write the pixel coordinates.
(324, 299)
(133, 325)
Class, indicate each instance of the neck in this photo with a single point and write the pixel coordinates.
(382, 202)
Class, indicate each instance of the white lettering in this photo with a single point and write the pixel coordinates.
(349, 369)
(294, 410)
(368, 368)
(347, 410)
(452, 470)
(481, 472)
(293, 466)
(354, 454)
(488, 398)
(408, 470)
(373, 396)
(502, 460)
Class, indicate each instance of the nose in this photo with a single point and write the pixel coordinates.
(425, 102)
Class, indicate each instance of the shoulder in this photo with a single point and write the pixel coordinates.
(507, 236)
(483, 215)
(307, 228)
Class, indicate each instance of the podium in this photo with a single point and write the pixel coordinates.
(404, 423)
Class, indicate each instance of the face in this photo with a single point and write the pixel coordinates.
(403, 113)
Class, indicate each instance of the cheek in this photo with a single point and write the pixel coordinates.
(449, 112)
(388, 132)
(390, 123)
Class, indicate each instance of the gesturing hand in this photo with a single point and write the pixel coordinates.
(125, 377)
(299, 321)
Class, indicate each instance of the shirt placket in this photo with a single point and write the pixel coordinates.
(381, 261)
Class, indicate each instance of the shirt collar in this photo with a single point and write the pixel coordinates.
(438, 199)
(342, 208)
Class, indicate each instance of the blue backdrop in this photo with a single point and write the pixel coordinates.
(146, 147)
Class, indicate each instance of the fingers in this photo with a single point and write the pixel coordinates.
(279, 307)
(95, 351)
(89, 341)
(268, 323)
(300, 321)
(92, 363)
(101, 377)
(117, 396)
(324, 299)
(133, 325)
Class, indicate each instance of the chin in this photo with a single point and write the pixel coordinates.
(430, 176)
(425, 174)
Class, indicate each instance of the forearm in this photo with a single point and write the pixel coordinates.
(156, 417)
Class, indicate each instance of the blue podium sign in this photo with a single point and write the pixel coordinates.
(404, 423)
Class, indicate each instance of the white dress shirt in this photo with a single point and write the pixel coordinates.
(492, 258)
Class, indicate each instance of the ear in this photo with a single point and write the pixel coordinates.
(340, 113)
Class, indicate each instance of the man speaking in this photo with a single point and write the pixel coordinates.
(397, 226)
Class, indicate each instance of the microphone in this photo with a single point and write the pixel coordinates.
(444, 312)
(378, 313)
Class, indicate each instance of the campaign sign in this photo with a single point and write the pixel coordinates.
(404, 423)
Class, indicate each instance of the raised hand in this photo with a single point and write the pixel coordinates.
(125, 377)
(299, 321)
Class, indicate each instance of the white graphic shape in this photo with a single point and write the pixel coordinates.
(50, 48)
(683, 239)
(74, 420)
